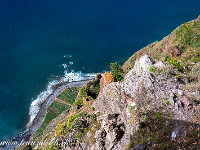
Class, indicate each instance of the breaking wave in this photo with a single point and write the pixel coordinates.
(68, 77)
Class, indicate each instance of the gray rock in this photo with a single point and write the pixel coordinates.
(111, 131)
(195, 72)
(141, 66)
(139, 147)
(176, 107)
(139, 85)
(171, 100)
(159, 65)
(180, 92)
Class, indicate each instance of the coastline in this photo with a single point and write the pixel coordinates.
(44, 106)
(35, 124)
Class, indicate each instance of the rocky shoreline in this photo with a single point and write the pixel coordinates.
(35, 124)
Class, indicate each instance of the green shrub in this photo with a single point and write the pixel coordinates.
(71, 119)
(76, 127)
(194, 56)
(117, 71)
(187, 34)
(92, 88)
(179, 65)
(60, 128)
(79, 101)
(165, 102)
(93, 108)
(152, 69)
(164, 59)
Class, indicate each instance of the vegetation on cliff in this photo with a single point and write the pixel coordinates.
(70, 127)
(182, 43)
(116, 71)
(154, 106)
(89, 92)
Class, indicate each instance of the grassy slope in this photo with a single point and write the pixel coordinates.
(59, 122)
(180, 44)
(79, 121)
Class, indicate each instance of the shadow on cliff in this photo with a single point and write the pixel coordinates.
(160, 131)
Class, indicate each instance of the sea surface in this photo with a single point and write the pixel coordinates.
(40, 39)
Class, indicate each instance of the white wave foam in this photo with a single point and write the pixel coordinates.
(65, 65)
(68, 56)
(35, 105)
(68, 77)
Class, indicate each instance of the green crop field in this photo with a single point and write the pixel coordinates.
(62, 102)
(68, 95)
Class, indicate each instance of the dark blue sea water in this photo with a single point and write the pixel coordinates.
(36, 34)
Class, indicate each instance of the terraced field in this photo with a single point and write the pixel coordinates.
(61, 103)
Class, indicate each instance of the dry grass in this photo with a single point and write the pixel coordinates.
(193, 86)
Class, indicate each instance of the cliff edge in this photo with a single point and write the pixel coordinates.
(155, 105)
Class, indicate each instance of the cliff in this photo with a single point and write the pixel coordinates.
(154, 106)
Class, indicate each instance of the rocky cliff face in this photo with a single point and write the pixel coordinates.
(140, 93)
(155, 106)
(166, 84)
(105, 80)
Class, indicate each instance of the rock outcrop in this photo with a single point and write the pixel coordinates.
(155, 106)
(148, 91)
(105, 80)
(111, 132)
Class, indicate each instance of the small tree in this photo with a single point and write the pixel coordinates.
(117, 71)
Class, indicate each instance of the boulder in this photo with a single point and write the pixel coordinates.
(141, 66)
(159, 65)
(105, 80)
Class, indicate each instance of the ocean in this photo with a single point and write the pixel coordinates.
(40, 39)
